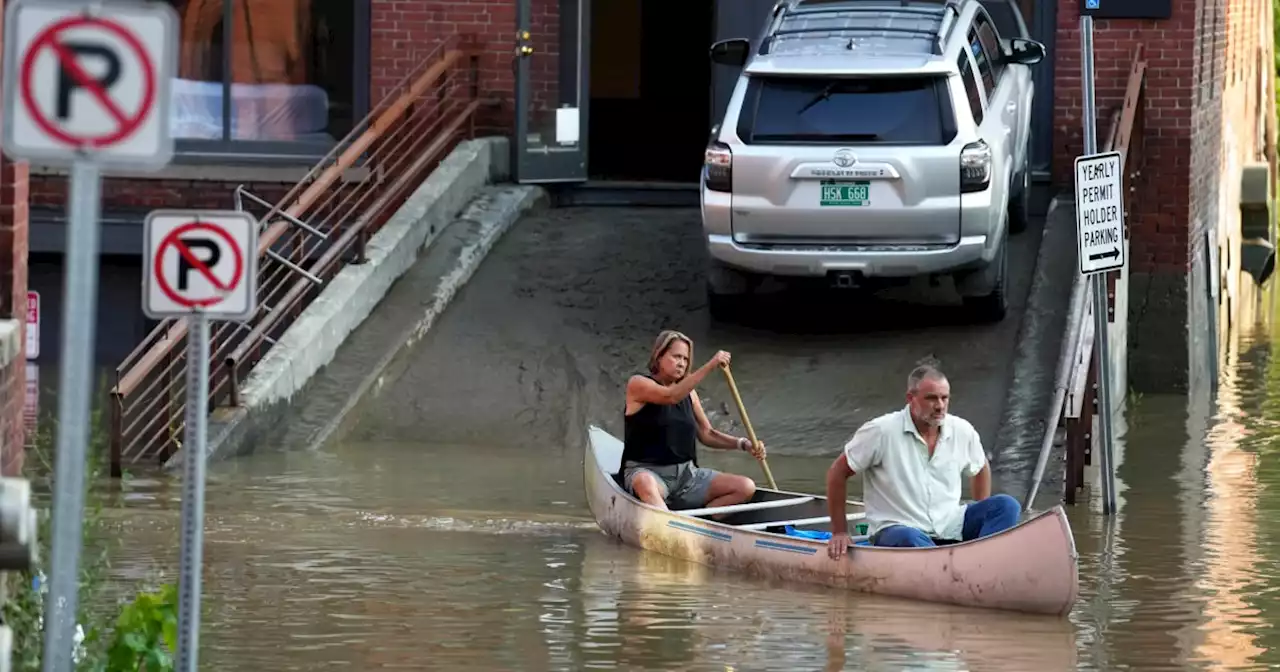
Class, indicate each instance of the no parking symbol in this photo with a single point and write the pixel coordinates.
(201, 262)
(89, 85)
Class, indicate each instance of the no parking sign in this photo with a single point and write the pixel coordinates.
(81, 85)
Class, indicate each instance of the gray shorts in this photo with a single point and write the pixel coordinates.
(684, 485)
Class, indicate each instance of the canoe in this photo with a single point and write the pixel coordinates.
(1030, 568)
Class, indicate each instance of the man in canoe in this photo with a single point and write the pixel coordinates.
(663, 424)
(912, 461)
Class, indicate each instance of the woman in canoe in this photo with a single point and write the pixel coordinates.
(663, 424)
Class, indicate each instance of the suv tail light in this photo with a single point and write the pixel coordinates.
(975, 167)
(718, 164)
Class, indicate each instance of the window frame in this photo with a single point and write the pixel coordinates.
(992, 46)
(988, 78)
(281, 152)
(968, 79)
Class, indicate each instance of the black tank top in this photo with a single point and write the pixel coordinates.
(661, 434)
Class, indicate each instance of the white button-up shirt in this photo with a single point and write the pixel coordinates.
(902, 485)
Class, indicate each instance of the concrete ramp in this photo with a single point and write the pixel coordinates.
(448, 223)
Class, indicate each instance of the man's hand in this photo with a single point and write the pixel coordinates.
(837, 544)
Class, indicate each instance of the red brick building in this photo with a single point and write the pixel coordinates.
(1208, 109)
(624, 90)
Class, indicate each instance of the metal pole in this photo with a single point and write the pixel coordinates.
(1101, 352)
(193, 481)
(75, 385)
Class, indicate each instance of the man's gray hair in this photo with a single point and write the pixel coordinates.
(928, 368)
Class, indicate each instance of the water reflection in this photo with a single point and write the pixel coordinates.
(694, 617)
(1229, 574)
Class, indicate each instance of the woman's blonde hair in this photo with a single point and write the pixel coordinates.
(663, 343)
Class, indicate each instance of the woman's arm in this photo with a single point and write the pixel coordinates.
(644, 390)
(710, 436)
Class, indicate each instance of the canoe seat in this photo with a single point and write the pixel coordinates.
(749, 506)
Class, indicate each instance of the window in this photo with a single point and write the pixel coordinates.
(269, 76)
(984, 64)
(888, 110)
(990, 46)
(970, 87)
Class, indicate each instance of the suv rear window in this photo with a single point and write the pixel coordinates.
(865, 110)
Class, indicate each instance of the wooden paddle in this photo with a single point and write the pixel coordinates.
(751, 433)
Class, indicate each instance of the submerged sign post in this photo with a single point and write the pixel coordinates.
(85, 87)
(1100, 241)
(197, 265)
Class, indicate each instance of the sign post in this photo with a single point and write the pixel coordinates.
(85, 87)
(198, 265)
(1100, 238)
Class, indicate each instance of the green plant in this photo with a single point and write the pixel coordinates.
(141, 636)
(146, 633)
(24, 610)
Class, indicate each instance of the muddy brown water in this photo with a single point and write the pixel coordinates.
(446, 529)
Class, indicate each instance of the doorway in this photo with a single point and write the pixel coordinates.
(650, 90)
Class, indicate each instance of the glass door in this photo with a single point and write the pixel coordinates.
(551, 91)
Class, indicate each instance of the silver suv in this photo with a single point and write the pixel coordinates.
(869, 142)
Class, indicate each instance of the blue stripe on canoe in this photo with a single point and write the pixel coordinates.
(718, 536)
(776, 546)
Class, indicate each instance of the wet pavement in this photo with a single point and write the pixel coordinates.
(541, 342)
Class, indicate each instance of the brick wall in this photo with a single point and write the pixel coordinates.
(404, 28)
(1157, 224)
(1201, 123)
(13, 306)
(1186, 88)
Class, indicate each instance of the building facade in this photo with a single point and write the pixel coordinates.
(623, 90)
(1208, 110)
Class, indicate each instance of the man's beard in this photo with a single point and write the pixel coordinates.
(930, 420)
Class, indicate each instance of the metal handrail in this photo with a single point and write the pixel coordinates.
(305, 239)
(1075, 359)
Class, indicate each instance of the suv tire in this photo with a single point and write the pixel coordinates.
(1020, 202)
(994, 306)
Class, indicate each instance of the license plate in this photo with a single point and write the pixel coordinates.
(848, 194)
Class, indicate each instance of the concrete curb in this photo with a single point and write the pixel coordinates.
(313, 340)
(489, 218)
(1035, 360)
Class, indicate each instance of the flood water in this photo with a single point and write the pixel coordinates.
(447, 529)
(365, 555)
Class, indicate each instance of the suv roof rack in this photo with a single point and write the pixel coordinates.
(946, 9)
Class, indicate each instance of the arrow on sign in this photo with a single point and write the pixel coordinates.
(1113, 254)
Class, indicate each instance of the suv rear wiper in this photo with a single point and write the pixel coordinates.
(822, 95)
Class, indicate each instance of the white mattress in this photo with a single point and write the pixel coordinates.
(258, 111)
